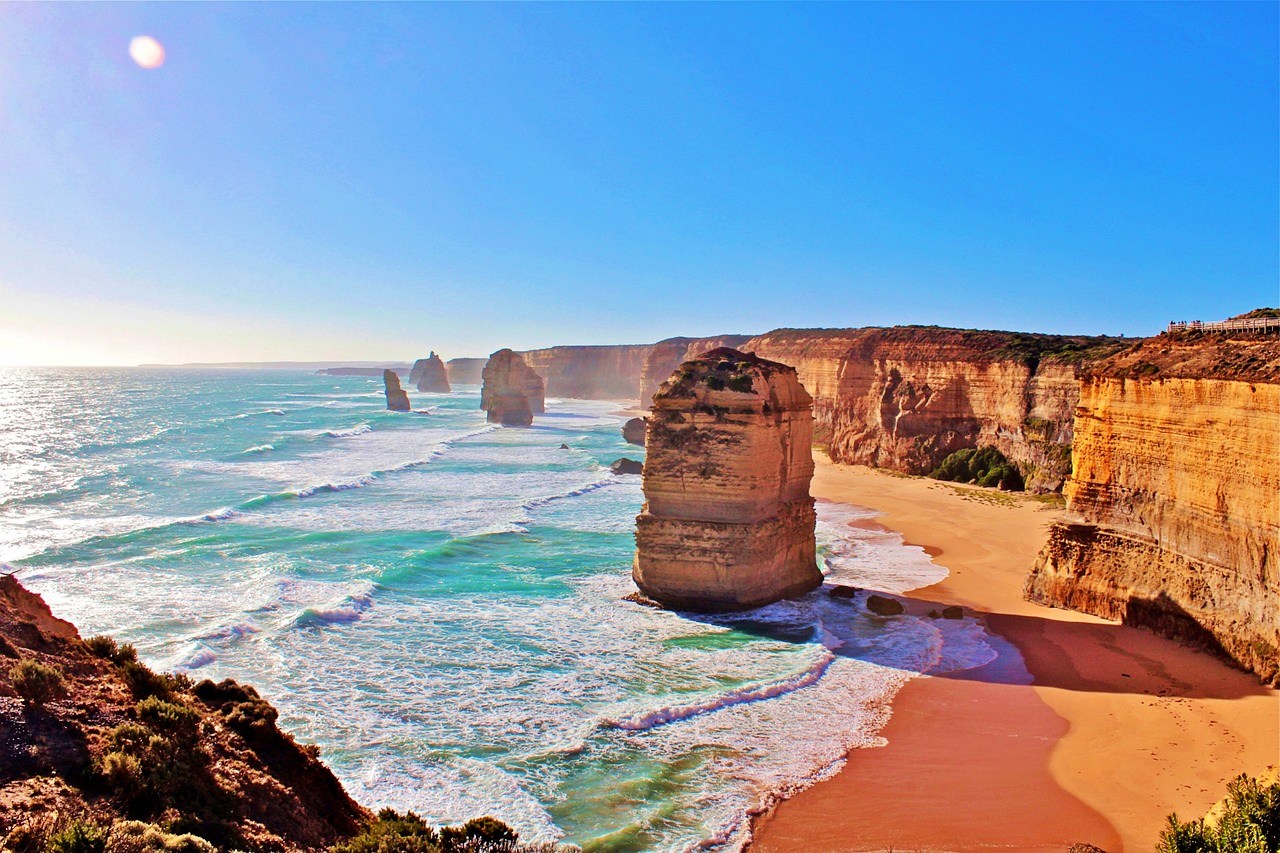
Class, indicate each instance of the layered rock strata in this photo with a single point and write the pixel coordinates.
(906, 397)
(590, 372)
(1174, 502)
(397, 398)
(727, 522)
(512, 392)
(429, 374)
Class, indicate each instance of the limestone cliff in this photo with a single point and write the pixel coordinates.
(727, 522)
(906, 397)
(1174, 500)
(465, 371)
(429, 374)
(667, 355)
(511, 393)
(397, 399)
(590, 372)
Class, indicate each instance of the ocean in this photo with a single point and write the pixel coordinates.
(437, 602)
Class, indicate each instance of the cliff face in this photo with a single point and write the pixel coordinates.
(430, 375)
(906, 397)
(511, 392)
(728, 522)
(1175, 497)
(590, 373)
(397, 399)
(118, 741)
(667, 355)
(465, 371)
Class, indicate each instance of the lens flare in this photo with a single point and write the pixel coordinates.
(146, 51)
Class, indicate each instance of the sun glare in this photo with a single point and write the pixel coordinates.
(146, 51)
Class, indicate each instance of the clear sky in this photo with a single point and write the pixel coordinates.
(362, 181)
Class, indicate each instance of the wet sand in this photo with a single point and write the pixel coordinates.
(1119, 728)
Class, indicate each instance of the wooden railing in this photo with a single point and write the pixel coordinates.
(1251, 323)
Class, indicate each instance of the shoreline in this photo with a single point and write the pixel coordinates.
(1081, 731)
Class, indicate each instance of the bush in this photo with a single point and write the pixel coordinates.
(141, 680)
(103, 647)
(134, 836)
(78, 836)
(986, 467)
(170, 719)
(37, 683)
(480, 832)
(393, 832)
(1248, 823)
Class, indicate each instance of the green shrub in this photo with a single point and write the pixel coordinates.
(393, 832)
(170, 719)
(141, 680)
(1249, 823)
(134, 836)
(741, 383)
(78, 836)
(103, 646)
(985, 466)
(37, 683)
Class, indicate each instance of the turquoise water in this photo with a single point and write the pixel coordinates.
(437, 602)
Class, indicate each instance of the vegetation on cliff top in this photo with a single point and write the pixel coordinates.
(1247, 821)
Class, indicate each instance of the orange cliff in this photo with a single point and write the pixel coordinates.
(728, 522)
(512, 393)
(1176, 496)
(904, 398)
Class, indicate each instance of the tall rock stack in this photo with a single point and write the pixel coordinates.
(430, 375)
(511, 393)
(728, 522)
(397, 399)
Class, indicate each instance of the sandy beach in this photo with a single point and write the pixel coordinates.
(1082, 731)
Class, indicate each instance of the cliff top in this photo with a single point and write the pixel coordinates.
(1238, 356)
(85, 728)
(733, 378)
(968, 344)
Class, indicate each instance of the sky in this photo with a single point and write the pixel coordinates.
(366, 181)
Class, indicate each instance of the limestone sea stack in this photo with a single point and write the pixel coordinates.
(511, 392)
(430, 375)
(728, 523)
(397, 399)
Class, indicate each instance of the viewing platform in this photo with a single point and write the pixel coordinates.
(1253, 324)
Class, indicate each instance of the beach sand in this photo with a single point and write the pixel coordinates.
(1119, 728)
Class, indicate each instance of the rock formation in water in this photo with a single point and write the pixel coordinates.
(430, 375)
(511, 392)
(465, 371)
(626, 466)
(115, 741)
(905, 398)
(397, 399)
(728, 522)
(633, 431)
(1174, 501)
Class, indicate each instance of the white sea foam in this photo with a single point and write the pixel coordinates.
(259, 448)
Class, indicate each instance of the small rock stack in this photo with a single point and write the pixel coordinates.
(397, 399)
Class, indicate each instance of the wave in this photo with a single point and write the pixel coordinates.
(578, 492)
(261, 448)
(348, 609)
(359, 429)
(275, 412)
(737, 696)
(204, 657)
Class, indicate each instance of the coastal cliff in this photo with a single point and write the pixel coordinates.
(511, 393)
(590, 372)
(667, 355)
(465, 371)
(1174, 500)
(86, 729)
(429, 374)
(728, 522)
(906, 397)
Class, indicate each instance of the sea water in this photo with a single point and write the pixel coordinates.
(438, 602)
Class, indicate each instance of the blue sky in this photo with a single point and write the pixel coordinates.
(364, 181)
